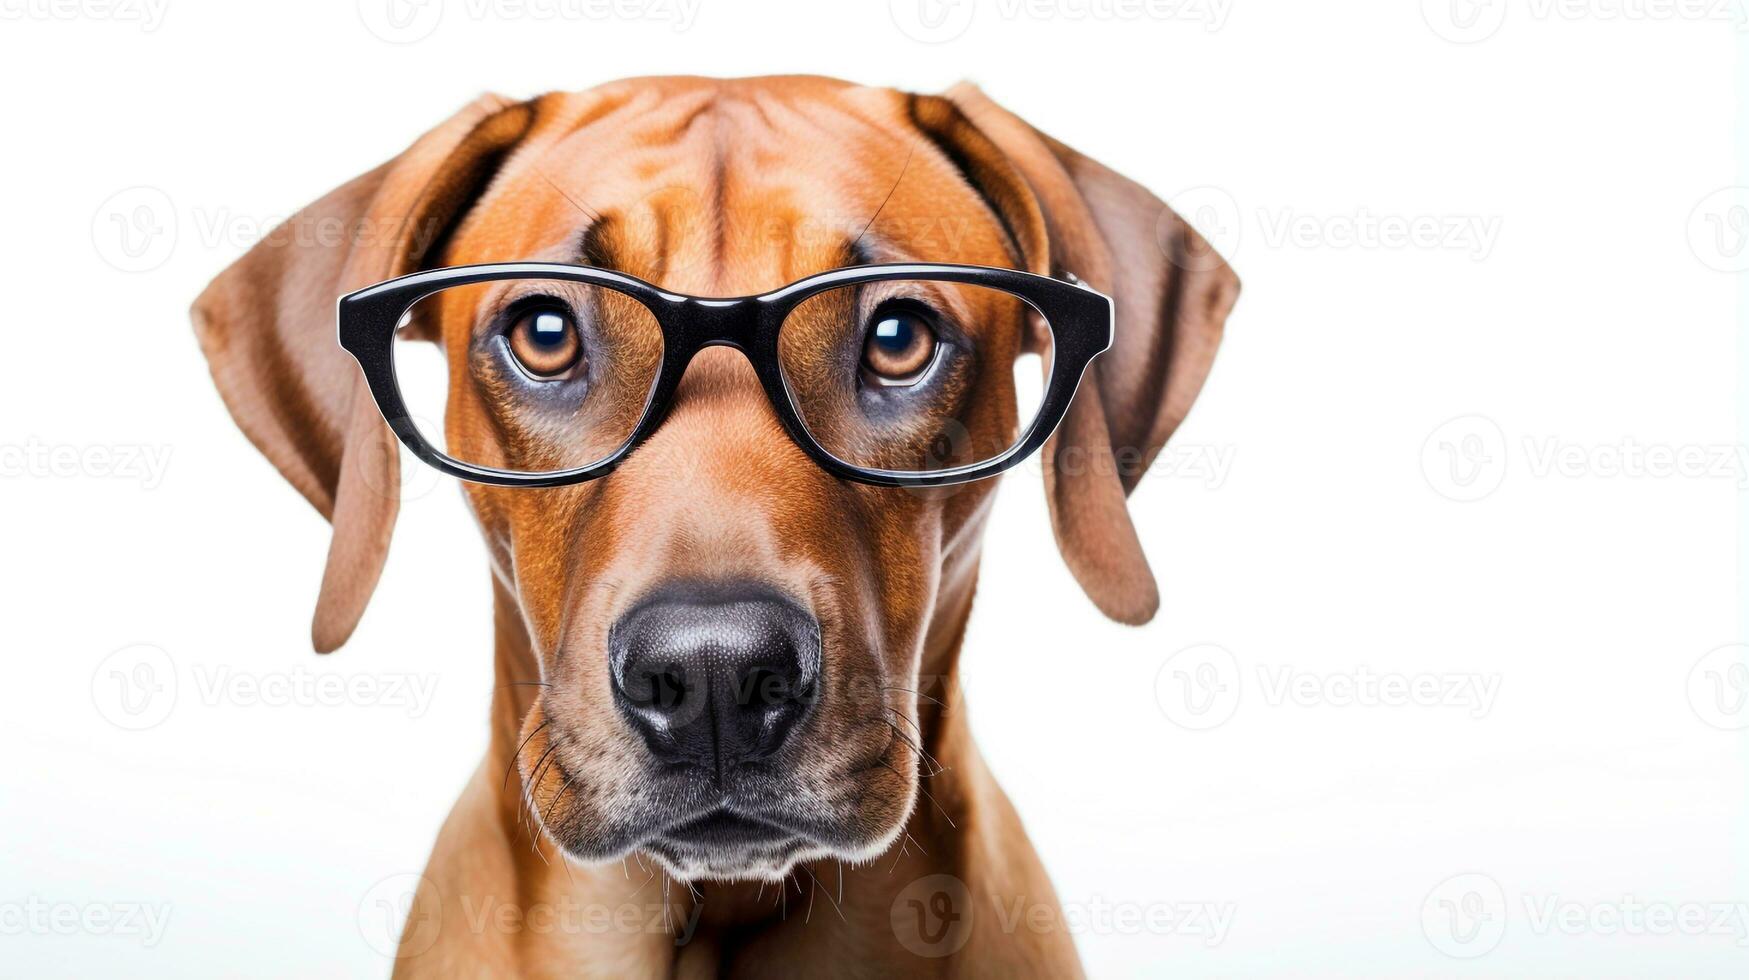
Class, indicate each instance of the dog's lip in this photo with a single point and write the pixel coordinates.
(721, 828)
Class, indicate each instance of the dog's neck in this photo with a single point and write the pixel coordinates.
(822, 908)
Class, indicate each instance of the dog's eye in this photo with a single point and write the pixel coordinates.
(900, 345)
(545, 342)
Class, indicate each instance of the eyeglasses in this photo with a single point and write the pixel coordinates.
(545, 374)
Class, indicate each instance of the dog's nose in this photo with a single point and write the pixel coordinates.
(715, 677)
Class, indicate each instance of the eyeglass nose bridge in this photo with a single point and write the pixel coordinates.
(718, 322)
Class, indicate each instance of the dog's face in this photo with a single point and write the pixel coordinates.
(731, 643)
(729, 636)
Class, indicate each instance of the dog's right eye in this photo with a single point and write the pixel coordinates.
(545, 341)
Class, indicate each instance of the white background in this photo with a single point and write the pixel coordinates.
(1577, 299)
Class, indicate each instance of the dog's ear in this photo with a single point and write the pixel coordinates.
(267, 326)
(1171, 294)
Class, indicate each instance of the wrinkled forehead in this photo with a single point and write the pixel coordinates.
(730, 191)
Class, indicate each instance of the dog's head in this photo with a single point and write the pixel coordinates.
(729, 640)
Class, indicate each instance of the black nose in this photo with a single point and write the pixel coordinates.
(715, 676)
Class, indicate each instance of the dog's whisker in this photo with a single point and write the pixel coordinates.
(525, 817)
(648, 877)
(903, 167)
(927, 795)
(530, 806)
(586, 211)
(546, 820)
(905, 717)
(916, 752)
(936, 768)
(917, 746)
(673, 918)
(514, 755)
(898, 855)
(554, 803)
(835, 905)
(917, 693)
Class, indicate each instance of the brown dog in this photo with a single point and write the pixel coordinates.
(724, 188)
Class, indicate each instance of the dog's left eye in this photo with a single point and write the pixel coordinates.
(899, 346)
(545, 342)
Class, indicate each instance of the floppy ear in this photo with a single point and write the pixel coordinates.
(1171, 294)
(267, 327)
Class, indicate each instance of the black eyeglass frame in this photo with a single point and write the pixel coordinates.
(1078, 317)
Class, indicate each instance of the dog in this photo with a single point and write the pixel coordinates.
(563, 855)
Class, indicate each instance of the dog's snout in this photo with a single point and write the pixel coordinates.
(715, 677)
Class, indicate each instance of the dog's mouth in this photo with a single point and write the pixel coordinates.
(753, 822)
(721, 843)
(724, 829)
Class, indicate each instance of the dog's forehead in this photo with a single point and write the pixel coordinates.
(734, 186)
